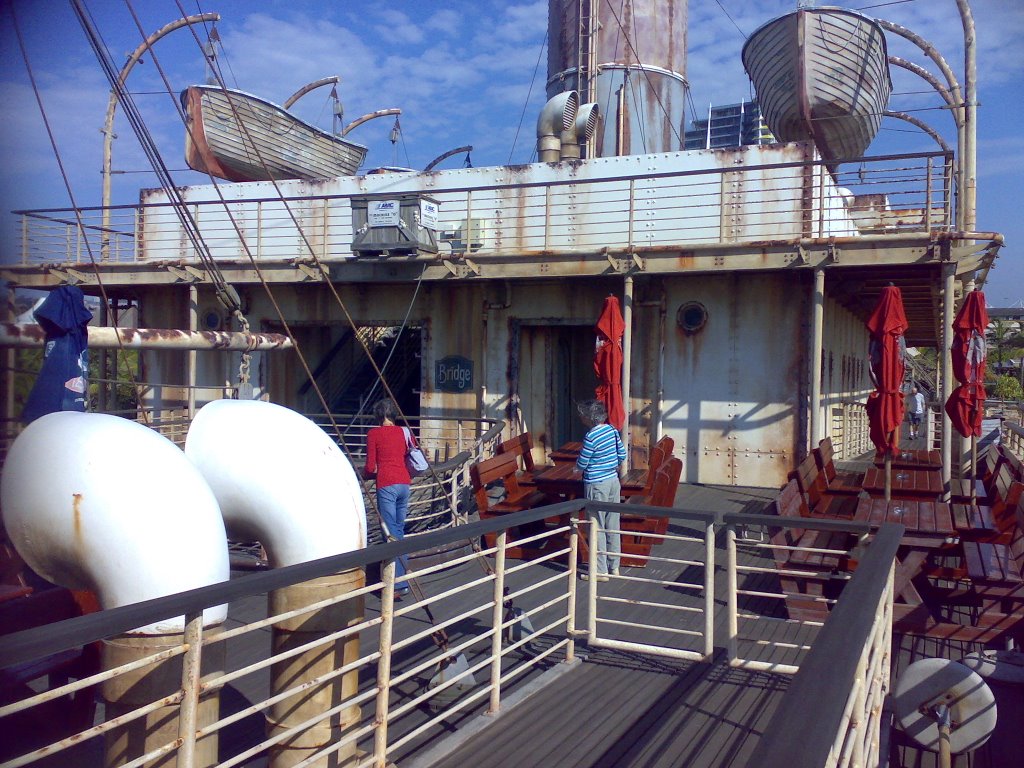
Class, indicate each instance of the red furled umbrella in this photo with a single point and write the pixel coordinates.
(966, 404)
(885, 405)
(608, 360)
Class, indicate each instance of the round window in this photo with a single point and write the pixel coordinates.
(691, 317)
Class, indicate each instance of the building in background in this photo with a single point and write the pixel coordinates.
(732, 125)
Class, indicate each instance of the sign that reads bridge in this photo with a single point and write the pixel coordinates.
(453, 374)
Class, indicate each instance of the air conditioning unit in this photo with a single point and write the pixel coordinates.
(469, 237)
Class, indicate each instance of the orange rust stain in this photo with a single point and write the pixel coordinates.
(76, 508)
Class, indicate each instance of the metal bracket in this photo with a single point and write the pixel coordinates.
(310, 272)
(832, 254)
(622, 266)
(187, 274)
(69, 276)
(801, 255)
(464, 268)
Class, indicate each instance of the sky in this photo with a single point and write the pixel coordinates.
(462, 72)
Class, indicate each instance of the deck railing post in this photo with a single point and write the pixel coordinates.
(731, 601)
(497, 617)
(570, 617)
(188, 712)
(709, 588)
(387, 619)
(592, 580)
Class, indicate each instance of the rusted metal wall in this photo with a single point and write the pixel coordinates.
(734, 392)
(630, 34)
(735, 389)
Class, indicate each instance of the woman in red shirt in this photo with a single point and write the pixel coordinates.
(385, 459)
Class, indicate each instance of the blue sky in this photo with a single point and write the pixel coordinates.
(462, 73)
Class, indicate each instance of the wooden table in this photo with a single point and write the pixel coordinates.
(561, 480)
(567, 453)
(906, 483)
(913, 458)
(929, 526)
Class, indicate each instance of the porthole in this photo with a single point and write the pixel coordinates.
(691, 317)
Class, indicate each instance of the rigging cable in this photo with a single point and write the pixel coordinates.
(325, 273)
(526, 103)
(78, 212)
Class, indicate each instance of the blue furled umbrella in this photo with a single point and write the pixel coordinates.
(62, 381)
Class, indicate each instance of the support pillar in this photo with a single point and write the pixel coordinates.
(627, 353)
(817, 323)
(948, 300)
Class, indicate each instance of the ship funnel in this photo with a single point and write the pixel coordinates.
(584, 127)
(93, 501)
(557, 117)
(278, 478)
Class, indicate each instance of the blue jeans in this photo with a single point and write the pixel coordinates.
(393, 504)
(608, 544)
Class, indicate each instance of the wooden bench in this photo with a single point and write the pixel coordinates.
(833, 480)
(994, 571)
(637, 530)
(521, 446)
(992, 627)
(819, 502)
(503, 469)
(640, 482)
(992, 522)
(802, 590)
(46, 606)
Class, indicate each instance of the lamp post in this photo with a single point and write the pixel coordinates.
(108, 125)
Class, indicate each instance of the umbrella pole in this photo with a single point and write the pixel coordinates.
(888, 476)
(974, 467)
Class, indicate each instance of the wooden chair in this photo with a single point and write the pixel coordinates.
(820, 502)
(833, 480)
(521, 446)
(993, 522)
(503, 469)
(640, 482)
(791, 505)
(636, 547)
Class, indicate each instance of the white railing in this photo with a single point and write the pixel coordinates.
(373, 701)
(850, 432)
(541, 210)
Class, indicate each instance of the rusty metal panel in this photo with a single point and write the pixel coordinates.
(734, 388)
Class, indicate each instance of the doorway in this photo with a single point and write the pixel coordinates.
(555, 372)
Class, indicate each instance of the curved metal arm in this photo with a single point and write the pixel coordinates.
(446, 155)
(927, 76)
(371, 116)
(334, 80)
(920, 124)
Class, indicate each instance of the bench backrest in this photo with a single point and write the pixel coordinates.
(824, 458)
(789, 504)
(501, 468)
(988, 462)
(808, 480)
(666, 483)
(661, 452)
(521, 446)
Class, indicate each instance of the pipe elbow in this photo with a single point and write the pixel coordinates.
(93, 501)
(586, 122)
(556, 117)
(278, 478)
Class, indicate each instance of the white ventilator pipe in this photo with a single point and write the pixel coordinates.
(93, 501)
(281, 479)
(278, 478)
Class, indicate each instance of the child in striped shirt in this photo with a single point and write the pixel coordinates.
(599, 461)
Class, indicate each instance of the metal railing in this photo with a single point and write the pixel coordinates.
(1012, 438)
(842, 684)
(674, 205)
(850, 433)
(379, 710)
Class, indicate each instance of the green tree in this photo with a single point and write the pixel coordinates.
(1005, 388)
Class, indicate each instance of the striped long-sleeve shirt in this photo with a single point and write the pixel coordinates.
(602, 453)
